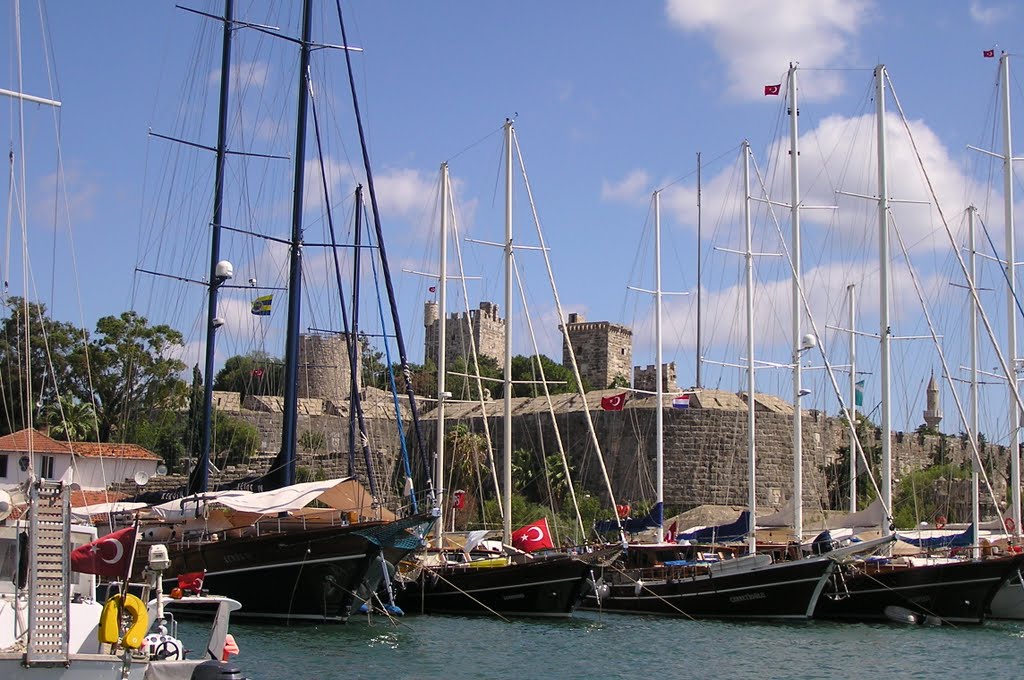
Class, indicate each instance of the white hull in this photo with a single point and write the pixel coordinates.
(95, 667)
(1009, 600)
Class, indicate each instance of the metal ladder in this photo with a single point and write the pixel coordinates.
(49, 574)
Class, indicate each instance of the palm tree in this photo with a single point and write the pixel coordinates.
(70, 420)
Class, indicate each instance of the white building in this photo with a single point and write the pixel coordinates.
(95, 465)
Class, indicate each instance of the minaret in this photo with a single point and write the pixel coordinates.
(932, 411)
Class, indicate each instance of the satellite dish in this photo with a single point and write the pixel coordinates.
(161, 469)
(6, 505)
(141, 478)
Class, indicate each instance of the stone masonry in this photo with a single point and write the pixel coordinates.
(324, 367)
(644, 378)
(604, 350)
(483, 325)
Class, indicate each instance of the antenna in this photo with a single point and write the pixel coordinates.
(141, 478)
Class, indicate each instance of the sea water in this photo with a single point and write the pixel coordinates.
(615, 646)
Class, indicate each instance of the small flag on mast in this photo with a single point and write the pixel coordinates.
(261, 305)
(858, 393)
(989, 54)
(772, 89)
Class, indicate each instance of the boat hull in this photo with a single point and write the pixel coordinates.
(302, 575)
(1008, 602)
(787, 590)
(545, 588)
(957, 592)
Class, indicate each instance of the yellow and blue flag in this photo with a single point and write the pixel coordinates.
(261, 305)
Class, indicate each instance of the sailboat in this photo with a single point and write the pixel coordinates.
(448, 579)
(909, 589)
(319, 560)
(697, 581)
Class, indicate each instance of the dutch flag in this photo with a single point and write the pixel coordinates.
(682, 401)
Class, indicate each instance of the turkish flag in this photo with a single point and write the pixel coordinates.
(107, 556)
(614, 402)
(772, 89)
(533, 537)
(989, 54)
(192, 581)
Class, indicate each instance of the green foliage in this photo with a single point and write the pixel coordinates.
(132, 371)
(254, 373)
(526, 373)
(467, 388)
(619, 381)
(70, 420)
(917, 498)
(165, 434)
(313, 440)
(234, 441)
(52, 360)
(374, 367)
(304, 473)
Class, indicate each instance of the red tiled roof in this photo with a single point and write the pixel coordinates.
(19, 442)
(81, 498)
(96, 450)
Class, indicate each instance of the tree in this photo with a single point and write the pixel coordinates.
(70, 420)
(374, 368)
(253, 373)
(234, 441)
(133, 372)
(50, 360)
(464, 387)
(526, 373)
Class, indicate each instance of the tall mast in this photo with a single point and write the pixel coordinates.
(442, 337)
(751, 445)
(282, 471)
(1011, 297)
(798, 473)
(852, 292)
(975, 493)
(883, 291)
(659, 390)
(200, 475)
(353, 343)
(698, 383)
(507, 378)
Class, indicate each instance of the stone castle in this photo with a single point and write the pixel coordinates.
(704, 445)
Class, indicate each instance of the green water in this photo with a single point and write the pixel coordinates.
(593, 646)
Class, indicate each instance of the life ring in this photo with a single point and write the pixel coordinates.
(622, 511)
(940, 521)
(109, 629)
(1009, 524)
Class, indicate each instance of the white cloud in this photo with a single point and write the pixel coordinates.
(988, 15)
(634, 187)
(244, 75)
(758, 39)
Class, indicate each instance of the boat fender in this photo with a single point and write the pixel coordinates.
(109, 629)
(940, 521)
(1009, 524)
(638, 588)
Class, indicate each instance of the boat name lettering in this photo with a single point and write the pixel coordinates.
(748, 597)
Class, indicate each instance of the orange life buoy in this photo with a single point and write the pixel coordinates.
(1009, 524)
(940, 521)
(622, 511)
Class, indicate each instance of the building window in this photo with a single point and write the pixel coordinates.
(3, 465)
(46, 467)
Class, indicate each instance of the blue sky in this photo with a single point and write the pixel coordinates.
(611, 102)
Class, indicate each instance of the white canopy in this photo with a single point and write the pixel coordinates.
(87, 511)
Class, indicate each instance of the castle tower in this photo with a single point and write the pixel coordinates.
(604, 350)
(644, 378)
(932, 411)
(324, 367)
(484, 326)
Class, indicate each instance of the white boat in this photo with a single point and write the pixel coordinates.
(52, 626)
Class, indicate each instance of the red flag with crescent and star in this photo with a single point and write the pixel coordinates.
(535, 536)
(109, 555)
(614, 402)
